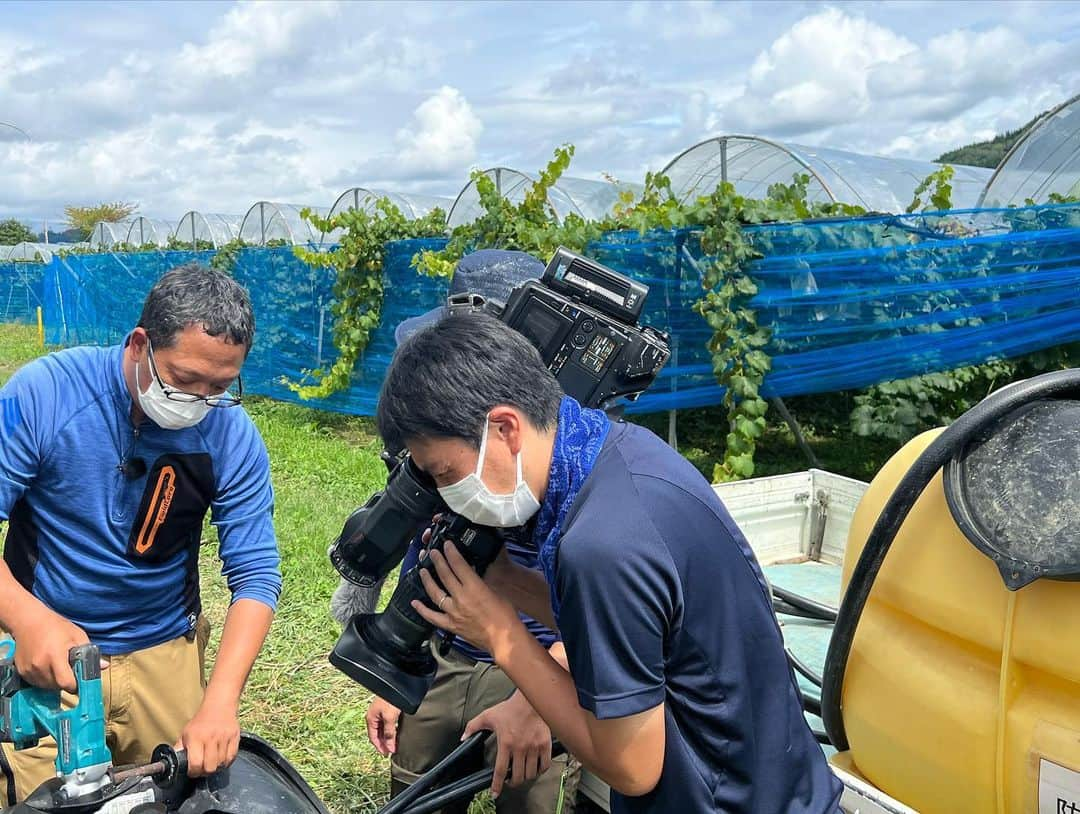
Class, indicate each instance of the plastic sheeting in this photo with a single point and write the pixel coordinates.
(96, 299)
(592, 200)
(199, 229)
(753, 163)
(412, 205)
(106, 235)
(1043, 162)
(148, 232)
(854, 302)
(33, 252)
(268, 222)
(849, 302)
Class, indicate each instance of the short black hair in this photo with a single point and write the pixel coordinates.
(193, 294)
(445, 379)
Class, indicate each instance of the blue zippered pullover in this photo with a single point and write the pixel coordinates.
(104, 518)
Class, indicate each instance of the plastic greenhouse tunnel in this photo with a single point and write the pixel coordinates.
(1043, 163)
(146, 232)
(268, 222)
(753, 163)
(32, 252)
(592, 200)
(207, 231)
(106, 235)
(412, 206)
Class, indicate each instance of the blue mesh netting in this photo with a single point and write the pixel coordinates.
(874, 299)
(96, 299)
(858, 301)
(850, 302)
(20, 291)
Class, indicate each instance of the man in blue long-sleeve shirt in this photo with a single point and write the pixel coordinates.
(109, 461)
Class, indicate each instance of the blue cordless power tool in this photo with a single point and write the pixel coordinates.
(86, 780)
(28, 714)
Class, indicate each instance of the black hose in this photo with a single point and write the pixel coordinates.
(907, 491)
(802, 668)
(462, 789)
(416, 791)
(811, 704)
(791, 610)
(816, 609)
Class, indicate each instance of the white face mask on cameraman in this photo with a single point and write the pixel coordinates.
(163, 411)
(472, 499)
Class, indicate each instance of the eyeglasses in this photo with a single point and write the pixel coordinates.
(173, 394)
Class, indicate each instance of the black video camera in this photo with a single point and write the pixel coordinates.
(583, 319)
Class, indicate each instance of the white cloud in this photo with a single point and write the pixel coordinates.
(968, 66)
(216, 108)
(840, 79)
(442, 135)
(255, 32)
(815, 74)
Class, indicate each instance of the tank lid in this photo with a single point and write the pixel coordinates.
(1015, 492)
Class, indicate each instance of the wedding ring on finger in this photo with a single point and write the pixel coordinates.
(443, 601)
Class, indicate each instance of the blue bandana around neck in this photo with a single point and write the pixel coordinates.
(579, 438)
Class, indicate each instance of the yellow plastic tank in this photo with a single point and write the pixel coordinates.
(960, 696)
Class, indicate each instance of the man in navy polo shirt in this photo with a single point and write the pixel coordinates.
(469, 692)
(679, 693)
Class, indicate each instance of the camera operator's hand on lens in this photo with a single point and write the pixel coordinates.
(468, 607)
(44, 640)
(522, 737)
(382, 726)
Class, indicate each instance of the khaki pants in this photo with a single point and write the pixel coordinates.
(462, 690)
(149, 695)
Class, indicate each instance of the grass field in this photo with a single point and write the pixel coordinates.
(323, 466)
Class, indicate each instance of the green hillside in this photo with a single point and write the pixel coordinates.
(987, 153)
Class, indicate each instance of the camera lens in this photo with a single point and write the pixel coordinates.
(377, 534)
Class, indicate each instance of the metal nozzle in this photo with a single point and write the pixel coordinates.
(148, 770)
(168, 765)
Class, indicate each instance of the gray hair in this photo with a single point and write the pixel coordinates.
(193, 294)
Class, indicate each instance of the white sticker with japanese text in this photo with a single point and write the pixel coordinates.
(124, 805)
(1059, 789)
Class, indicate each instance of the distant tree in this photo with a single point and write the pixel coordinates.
(12, 232)
(85, 218)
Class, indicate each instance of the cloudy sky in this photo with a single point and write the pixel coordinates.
(213, 106)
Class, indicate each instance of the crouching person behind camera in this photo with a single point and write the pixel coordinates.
(470, 693)
(679, 693)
